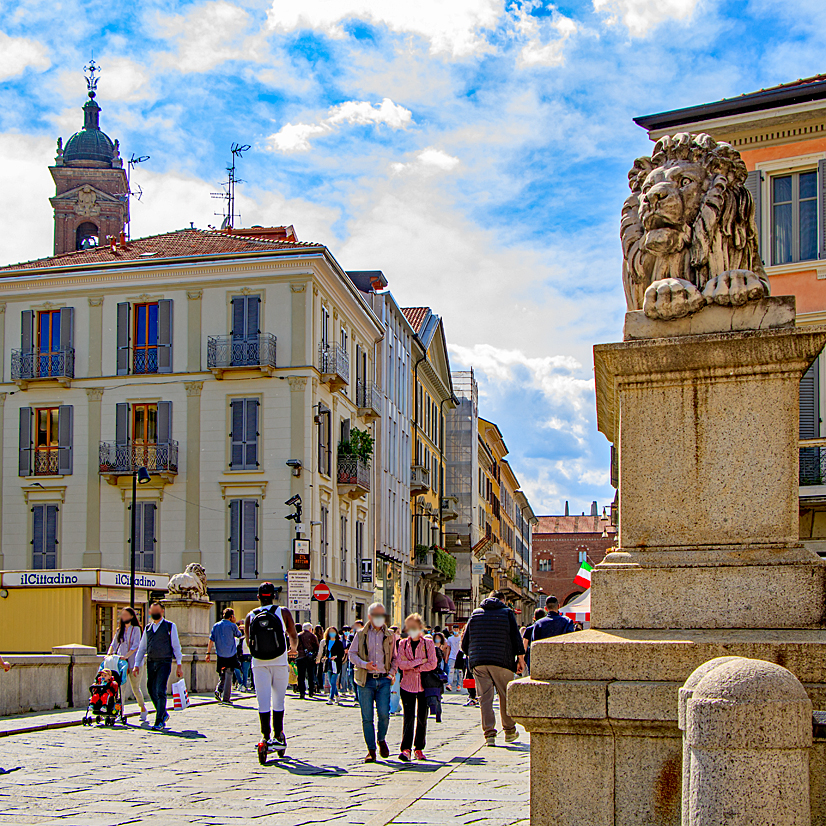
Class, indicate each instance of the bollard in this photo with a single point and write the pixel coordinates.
(748, 728)
(686, 693)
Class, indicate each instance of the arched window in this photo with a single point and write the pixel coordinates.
(86, 236)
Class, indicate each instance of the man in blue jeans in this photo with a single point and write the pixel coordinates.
(373, 655)
(159, 645)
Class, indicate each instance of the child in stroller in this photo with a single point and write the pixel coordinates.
(105, 701)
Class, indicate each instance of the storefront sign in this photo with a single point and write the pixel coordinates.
(116, 595)
(367, 571)
(48, 579)
(301, 554)
(299, 590)
(477, 568)
(122, 579)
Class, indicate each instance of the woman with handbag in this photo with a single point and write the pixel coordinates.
(416, 657)
(330, 655)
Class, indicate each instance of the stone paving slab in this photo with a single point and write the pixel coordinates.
(204, 772)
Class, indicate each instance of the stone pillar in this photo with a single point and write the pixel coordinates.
(92, 557)
(192, 618)
(2, 341)
(193, 331)
(299, 414)
(298, 325)
(748, 727)
(192, 527)
(95, 367)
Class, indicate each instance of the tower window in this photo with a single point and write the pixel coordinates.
(87, 236)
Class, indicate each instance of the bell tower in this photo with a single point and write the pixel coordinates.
(91, 200)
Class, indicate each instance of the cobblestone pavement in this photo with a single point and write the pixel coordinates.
(204, 771)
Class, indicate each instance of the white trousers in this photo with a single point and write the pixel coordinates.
(270, 686)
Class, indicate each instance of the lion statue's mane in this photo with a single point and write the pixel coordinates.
(722, 236)
(191, 584)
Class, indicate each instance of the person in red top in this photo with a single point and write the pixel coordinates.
(416, 654)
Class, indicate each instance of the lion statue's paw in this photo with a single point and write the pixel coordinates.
(672, 298)
(734, 288)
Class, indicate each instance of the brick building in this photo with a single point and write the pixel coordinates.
(562, 543)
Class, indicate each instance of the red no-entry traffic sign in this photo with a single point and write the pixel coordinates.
(321, 592)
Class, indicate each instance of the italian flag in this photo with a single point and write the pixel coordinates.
(583, 578)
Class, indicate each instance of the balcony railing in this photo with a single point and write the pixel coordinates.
(813, 465)
(117, 459)
(419, 479)
(28, 366)
(369, 399)
(334, 364)
(46, 462)
(226, 352)
(353, 476)
(487, 583)
(145, 361)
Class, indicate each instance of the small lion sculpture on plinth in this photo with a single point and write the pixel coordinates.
(191, 584)
(688, 230)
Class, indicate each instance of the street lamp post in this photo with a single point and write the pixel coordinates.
(139, 476)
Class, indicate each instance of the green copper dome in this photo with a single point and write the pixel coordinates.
(90, 144)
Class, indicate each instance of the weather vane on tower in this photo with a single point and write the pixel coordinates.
(92, 72)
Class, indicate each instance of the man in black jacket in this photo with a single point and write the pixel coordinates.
(495, 653)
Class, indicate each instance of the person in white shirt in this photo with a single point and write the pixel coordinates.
(455, 643)
(159, 646)
(125, 644)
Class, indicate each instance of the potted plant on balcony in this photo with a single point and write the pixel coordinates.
(360, 448)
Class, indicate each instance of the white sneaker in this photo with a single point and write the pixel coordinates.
(144, 717)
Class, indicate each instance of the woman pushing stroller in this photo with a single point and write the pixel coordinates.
(125, 644)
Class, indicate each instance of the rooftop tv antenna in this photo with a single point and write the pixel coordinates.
(137, 192)
(228, 195)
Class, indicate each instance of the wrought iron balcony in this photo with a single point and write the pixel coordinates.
(368, 400)
(31, 366)
(120, 459)
(334, 365)
(353, 476)
(419, 480)
(812, 467)
(231, 352)
(46, 462)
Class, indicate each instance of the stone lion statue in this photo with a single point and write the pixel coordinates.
(191, 584)
(688, 232)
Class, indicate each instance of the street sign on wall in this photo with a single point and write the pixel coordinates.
(367, 571)
(477, 568)
(301, 554)
(299, 590)
(321, 592)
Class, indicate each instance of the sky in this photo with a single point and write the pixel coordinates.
(475, 151)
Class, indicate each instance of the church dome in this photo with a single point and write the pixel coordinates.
(90, 144)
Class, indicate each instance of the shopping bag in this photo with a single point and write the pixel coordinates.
(293, 674)
(180, 696)
(468, 682)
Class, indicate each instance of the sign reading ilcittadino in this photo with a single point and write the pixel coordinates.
(82, 576)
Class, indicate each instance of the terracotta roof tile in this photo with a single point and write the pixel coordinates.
(416, 316)
(182, 243)
(570, 524)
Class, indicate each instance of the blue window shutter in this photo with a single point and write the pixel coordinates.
(165, 336)
(64, 439)
(249, 539)
(38, 533)
(237, 452)
(251, 433)
(754, 184)
(239, 316)
(253, 315)
(50, 549)
(67, 324)
(27, 331)
(24, 465)
(810, 403)
(123, 338)
(145, 536)
(122, 424)
(235, 538)
(164, 423)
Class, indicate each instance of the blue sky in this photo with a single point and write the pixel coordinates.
(474, 150)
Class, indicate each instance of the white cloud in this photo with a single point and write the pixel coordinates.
(19, 53)
(295, 137)
(456, 27)
(430, 160)
(545, 38)
(639, 16)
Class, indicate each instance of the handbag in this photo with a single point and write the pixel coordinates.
(468, 682)
(180, 696)
(433, 679)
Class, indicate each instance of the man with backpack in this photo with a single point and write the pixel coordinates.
(266, 630)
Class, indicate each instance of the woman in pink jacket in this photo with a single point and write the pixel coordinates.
(416, 655)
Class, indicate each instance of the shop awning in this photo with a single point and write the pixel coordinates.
(443, 604)
(579, 609)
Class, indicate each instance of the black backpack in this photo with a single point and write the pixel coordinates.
(267, 638)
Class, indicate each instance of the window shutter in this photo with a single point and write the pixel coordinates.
(165, 336)
(123, 338)
(251, 433)
(27, 331)
(164, 423)
(754, 184)
(24, 464)
(67, 325)
(121, 424)
(38, 533)
(249, 536)
(345, 431)
(239, 316)
(821, 178)
(145, 534)
(235, 538)
(253, 316)
(324, 427)
(50, 550)
(237, 453)
(64, 439)
(810, 403)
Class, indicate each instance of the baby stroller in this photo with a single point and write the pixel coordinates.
(112, 712)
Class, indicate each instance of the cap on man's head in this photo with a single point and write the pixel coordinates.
(266, 589)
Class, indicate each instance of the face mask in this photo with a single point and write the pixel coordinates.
(378, 621)
(156, 617)
(414, 633)
(332, 635)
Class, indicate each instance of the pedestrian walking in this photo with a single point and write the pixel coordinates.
(125, 643)
(267, 630)
(357, 626)
(454, 641)
(243, 671)
(373, 654)
(416, 656)
(223, 638)
(442, 652)
(553, 624)
(527, 637)
(331, 656)
(305, 662)
(159, 645)
(495, 653)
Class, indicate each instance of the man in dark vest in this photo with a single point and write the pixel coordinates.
(496, 653)
(159, 645)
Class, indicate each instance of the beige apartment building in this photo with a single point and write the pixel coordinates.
(235, 366)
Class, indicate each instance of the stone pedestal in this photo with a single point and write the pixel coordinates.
(706, 430)
(192, 618)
